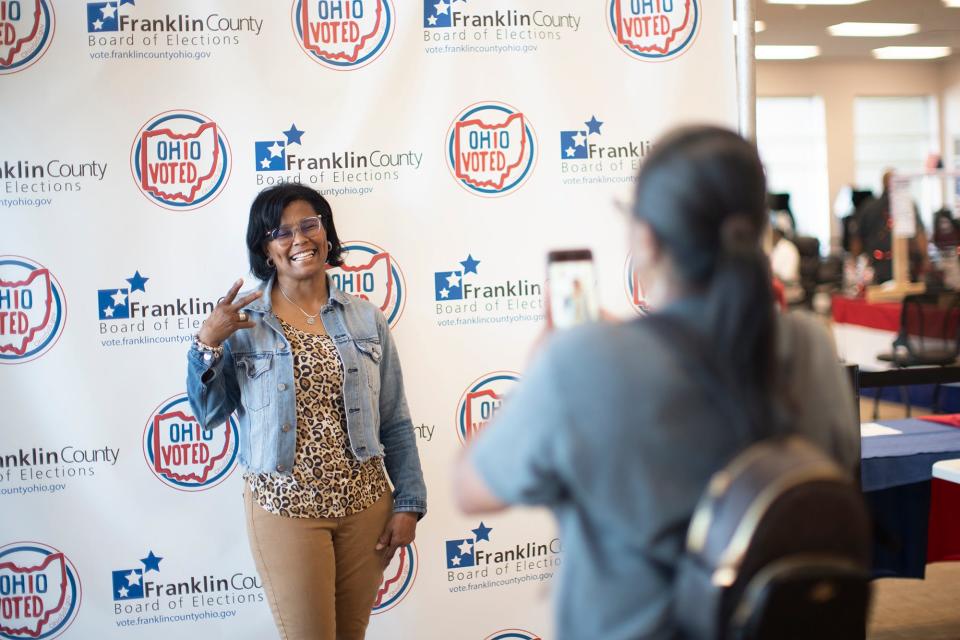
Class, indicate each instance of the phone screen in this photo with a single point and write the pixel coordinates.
(573, 288)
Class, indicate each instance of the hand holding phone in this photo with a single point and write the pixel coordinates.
(572, 287)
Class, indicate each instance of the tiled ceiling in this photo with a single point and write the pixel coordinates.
(795, 24)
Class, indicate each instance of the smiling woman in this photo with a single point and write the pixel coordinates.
(315, 381)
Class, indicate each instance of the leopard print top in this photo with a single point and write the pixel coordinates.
(326, 480)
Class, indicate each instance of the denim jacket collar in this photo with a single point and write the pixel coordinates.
(264, 303)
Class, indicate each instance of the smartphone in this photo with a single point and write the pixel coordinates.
(573, 287)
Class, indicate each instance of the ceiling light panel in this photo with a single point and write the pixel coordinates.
(806, 2)
(786, 52)
(911, 53)
(873, 29)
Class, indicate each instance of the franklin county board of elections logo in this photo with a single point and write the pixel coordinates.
(33, 310)
(397, 580)
(452, 27)
(343, 34)
(491, 149)
(462, 552)
(481, 400)
(26, 30)
(336, 169)
(654, 30)
(371, 273)
(590, 154)
(128, 583)
(180, 160)
(126, 32)
(573, 143)
(184, 455)
(512, 634)
(39, 591)
(271, 155)
(633, 287)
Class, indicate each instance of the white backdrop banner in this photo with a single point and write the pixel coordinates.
(457, 140)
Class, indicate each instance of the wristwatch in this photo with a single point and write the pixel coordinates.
(210, 354)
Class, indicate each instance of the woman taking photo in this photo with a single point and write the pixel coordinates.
(617, 428)
(315, 381)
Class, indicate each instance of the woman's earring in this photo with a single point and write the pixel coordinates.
(270, 263)
(329, 246)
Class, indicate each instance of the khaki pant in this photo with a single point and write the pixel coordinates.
(320, 575)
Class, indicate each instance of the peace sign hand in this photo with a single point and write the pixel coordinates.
(226, 317)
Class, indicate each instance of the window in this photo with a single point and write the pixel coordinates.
(898, 133)
(791, 135)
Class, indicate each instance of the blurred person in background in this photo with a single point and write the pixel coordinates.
(875, 232)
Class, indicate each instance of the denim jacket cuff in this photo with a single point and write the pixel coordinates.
(207, 370)
(413, 505)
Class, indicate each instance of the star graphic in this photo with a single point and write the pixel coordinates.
(275, 150)
(108, 312)
(455, 561)
(137, 282)
(265, 163)
(453, 280)
(293, 134)
(152, 562)
(444, 293)
(570, 152)
(593, 125)
(441, 7)
(579, 140)
(482, 532)
(98, 24)
(109, 11)
(470, 264)
(119, 298)
(123, 591)
(432, 20)
(465, 548)
(133, 578)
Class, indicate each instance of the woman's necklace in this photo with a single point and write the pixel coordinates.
(311, 319)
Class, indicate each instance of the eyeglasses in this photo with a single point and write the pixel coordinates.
(284, 233)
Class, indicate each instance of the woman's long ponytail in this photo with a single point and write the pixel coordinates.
(702, 191)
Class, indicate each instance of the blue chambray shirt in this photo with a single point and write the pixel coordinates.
(612, 431)
(254, 378)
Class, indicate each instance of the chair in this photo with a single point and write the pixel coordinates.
(928, 337)
(809, 249)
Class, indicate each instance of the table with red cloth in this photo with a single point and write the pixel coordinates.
(917, 523)
(875, 315)
(863, 330)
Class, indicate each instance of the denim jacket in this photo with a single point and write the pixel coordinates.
(254, 378)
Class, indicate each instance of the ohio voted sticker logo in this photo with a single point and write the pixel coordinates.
(184, 455)
(654, 30)
(491, 149)
(26, 30)
(397, 580)
(33, 310)
(343, 34)
(481, 400)
(633, 287)
(39, 591)
(512, 634)
(372, 274)
(180, 160)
